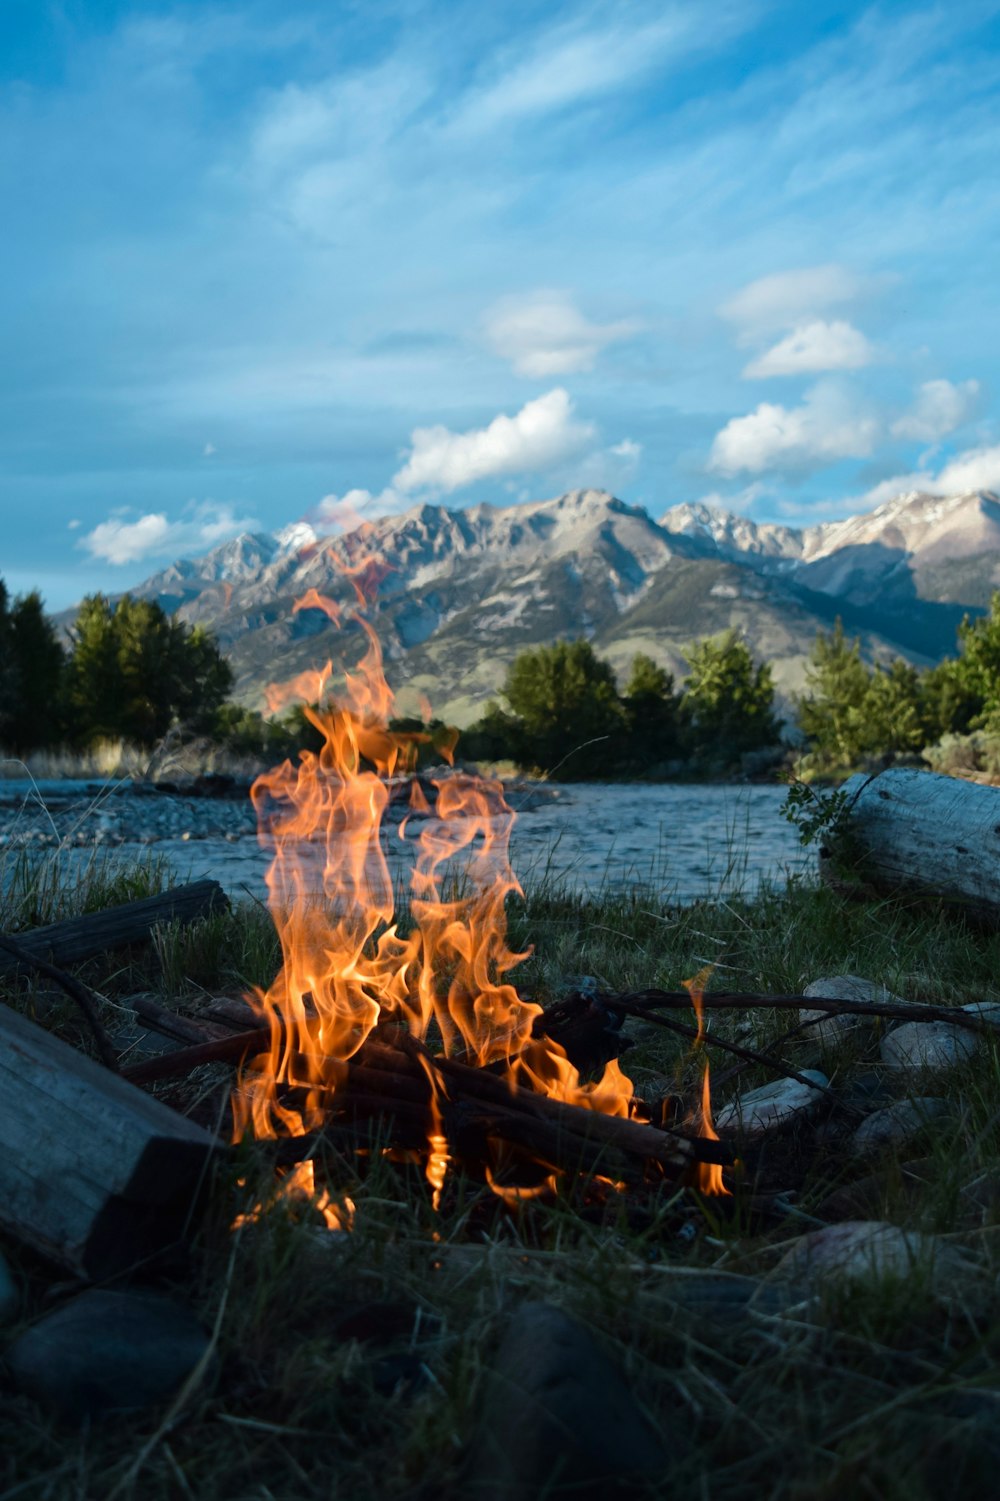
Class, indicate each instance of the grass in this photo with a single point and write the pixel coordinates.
(883, 1390)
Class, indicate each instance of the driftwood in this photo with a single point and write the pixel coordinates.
(79, 938)
(923, 835)
(93, 1173)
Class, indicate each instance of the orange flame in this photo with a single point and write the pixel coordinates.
(709, 1174)
(345, 964)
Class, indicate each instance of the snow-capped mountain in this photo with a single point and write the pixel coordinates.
(462, 591)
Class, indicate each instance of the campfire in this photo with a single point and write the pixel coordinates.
(420, 1028)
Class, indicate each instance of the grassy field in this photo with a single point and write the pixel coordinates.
(886, 1389)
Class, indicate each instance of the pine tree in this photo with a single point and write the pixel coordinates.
(728, 700)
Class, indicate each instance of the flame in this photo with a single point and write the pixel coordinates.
(345, 965)
(299, 1186)
(708, 1174)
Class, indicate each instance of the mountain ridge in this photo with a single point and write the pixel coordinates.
(465, 589)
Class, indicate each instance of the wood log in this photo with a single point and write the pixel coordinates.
(916, 833)
(93, 1173)
(79, 938)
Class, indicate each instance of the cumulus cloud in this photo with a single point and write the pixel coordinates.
(546, 334)
(543, 434)
(811, 348)
(121, 540)
(940, 408)
(825, 428)
(788, 298)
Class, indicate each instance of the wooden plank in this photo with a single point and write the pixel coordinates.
(94, 1173)
(79, 938)
(928, 835)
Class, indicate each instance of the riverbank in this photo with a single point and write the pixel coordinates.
(361, 1365)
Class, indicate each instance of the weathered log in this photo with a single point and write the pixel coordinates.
(93, 1173)
(78, 938)
(919, 834)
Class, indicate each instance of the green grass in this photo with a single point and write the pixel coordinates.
(880, 1391)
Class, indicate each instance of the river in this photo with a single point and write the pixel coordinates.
(680, 841)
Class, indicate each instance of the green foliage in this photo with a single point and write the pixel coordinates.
(977, 671)
(853, 713)
(31, 675)
(816, 815)
(729, 701)
(134, 671)
(652, 713)
(566, 700)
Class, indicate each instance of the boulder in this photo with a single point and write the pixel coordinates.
(900, 1124)
(936, 1046)
(832, 1031)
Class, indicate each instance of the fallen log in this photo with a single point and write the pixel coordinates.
(76, 939)
(918, 834)
(93, 1173)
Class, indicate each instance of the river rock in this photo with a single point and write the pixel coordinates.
(107, 1351)
(771, 1107)
(987, 1011)
(863, 1250)
(927, 1045)
(899, 1124)
(831, 1031)
(558, 1417)
(9, 1298)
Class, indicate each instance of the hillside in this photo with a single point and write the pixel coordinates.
(465, 590)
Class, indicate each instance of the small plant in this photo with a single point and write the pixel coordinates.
(817, 815)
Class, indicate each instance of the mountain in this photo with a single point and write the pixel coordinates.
(463, 591)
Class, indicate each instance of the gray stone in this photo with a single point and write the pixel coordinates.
(558, 1418)
(107, 1351)
(9, 1297)
(771, 1107)
(865, 1250)
(987, 1011)
(899, 1124)
(927, 1045)
(832, 1031)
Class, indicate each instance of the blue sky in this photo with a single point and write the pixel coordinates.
(275, 260)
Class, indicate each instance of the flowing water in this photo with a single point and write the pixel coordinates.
(682, 841)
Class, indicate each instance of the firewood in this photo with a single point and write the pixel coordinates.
(79, 938)
(641, 1003)
(93, 1173)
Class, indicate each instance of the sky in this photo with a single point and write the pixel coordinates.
(270, 261)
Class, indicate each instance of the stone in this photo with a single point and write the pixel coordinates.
(927, 1045)
(771, 1107)
(987, 1011)
(832, 1031)
(558, 1417)
(865, 1250)
(900, 1124)
(9, 1296)
(106, 1352)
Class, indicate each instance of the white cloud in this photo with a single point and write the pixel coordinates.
(120, 540)
(940, 408)
(546, 334)
(541, 435)
(813, 347)
(208, 450)
(788, 298)
(973, 469)
(825, 428)
(72, 525)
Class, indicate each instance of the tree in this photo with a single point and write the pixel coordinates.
(37, 662)
(977, 671)
(134, 671)
(729, 701)
(565, 698)
(652, 714)
(832, 715)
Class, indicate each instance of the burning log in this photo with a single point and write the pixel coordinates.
(79, 938)
(94, 1173)
(924, 835)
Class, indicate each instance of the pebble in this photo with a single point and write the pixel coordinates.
(105, 1352)
(9, 1297)
(558, 1417)
(927, 1045)
(831, 1031)
(899, 1124)
(771, 1107)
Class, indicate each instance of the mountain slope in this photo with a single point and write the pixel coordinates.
(462, 591)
